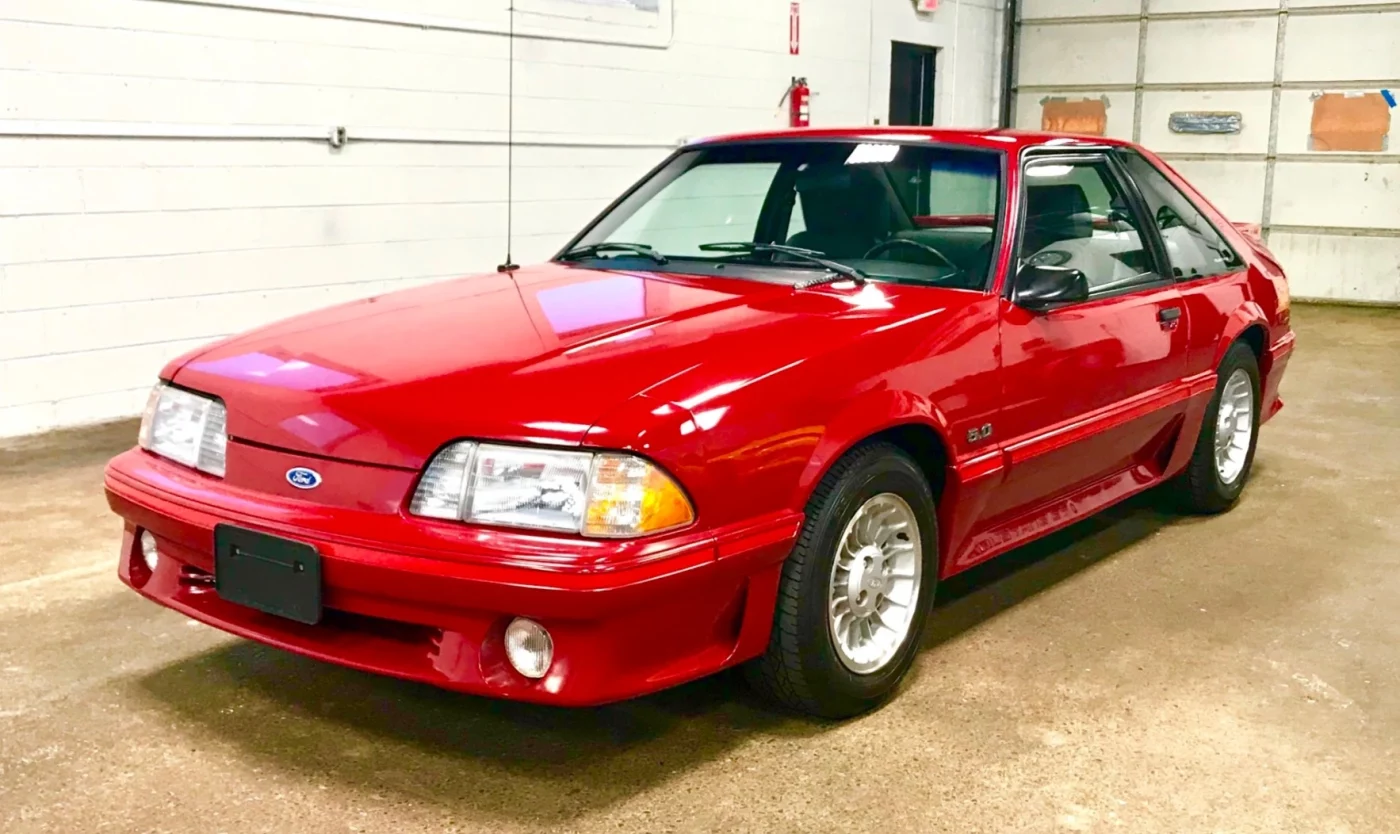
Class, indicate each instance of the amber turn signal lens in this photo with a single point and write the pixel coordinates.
(629, 497)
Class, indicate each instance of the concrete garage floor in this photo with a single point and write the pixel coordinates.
(1139, 672)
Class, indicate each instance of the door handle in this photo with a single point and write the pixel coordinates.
(1168, 314)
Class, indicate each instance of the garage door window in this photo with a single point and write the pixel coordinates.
(1195, 248)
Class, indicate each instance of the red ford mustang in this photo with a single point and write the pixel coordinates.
(751, 415)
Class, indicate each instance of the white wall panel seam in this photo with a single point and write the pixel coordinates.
(69, 353)
(41, 128)
(1337, 231)
(1141, 71)
(319, 245)
(662, 40)
(302, 207)
(1204, 86)
(195, 75)
(1271, 163)
(1301, 11)
(1328, 158)
(200, 296)
(549, 61)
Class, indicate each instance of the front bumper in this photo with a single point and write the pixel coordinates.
(677, 609)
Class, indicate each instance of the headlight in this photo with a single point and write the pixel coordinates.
(604, 495)
(186, 428)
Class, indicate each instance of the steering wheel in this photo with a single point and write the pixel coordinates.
(896, 242)
(1167, 218)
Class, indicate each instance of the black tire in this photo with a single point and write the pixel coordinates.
(800, 670)
(1199, 488)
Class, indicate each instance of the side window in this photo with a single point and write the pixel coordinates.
(1078, 217)
(1195, 248)
(707, 204)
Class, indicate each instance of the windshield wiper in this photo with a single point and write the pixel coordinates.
(840, 270)
(599, 248)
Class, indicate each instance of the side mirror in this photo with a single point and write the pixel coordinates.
(1039, 287)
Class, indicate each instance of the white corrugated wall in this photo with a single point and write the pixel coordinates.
(165, 176)
(1332, 217)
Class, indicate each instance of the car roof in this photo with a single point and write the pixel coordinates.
(990, 138)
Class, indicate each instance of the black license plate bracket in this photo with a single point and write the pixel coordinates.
(268, 573)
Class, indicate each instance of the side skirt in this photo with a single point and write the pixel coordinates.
(1055, 515)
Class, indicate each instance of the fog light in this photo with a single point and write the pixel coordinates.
(149, 554)
(529, 648)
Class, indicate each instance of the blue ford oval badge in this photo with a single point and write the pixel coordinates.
(303, 478)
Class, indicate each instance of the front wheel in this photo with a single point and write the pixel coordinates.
(1224, 453)
(856, 589)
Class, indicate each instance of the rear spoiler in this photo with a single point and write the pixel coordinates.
(1254, 232)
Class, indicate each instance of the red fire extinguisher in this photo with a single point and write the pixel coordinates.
(799, 99)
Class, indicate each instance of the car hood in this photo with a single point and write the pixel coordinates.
(539, 356)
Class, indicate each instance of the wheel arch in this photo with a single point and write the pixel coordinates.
(1248, 325)
(906, 421)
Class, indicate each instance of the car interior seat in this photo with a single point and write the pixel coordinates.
(1055, 213)
(846, 210)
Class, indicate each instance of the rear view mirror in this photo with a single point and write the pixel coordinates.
(1039, 287)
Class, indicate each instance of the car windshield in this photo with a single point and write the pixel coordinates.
(910, 212)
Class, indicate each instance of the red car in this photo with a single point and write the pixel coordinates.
(751, 415)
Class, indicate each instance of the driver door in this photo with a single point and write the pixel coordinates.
(1091, 388)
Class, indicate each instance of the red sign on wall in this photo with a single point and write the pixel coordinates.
(925, 5)
(794, 28)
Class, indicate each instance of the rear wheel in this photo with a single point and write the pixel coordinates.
(856, 589)
(1224, 453)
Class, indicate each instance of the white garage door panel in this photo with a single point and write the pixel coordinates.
(1210, 51)
(1236, 188)
(1033, 9)
(1254, 105)
(1315, 4)
(1357, 195)
(1343, 47)
(1120, 110)
(1179, 6)
(1330, 46)
(1080, 53)
(1340, 266)
(1295, 125)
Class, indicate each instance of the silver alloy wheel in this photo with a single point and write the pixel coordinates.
(1234, 426)
(875, 583)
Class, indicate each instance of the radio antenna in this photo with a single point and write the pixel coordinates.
(510, 265)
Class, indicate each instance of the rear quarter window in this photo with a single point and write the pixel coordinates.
(1194, 247)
